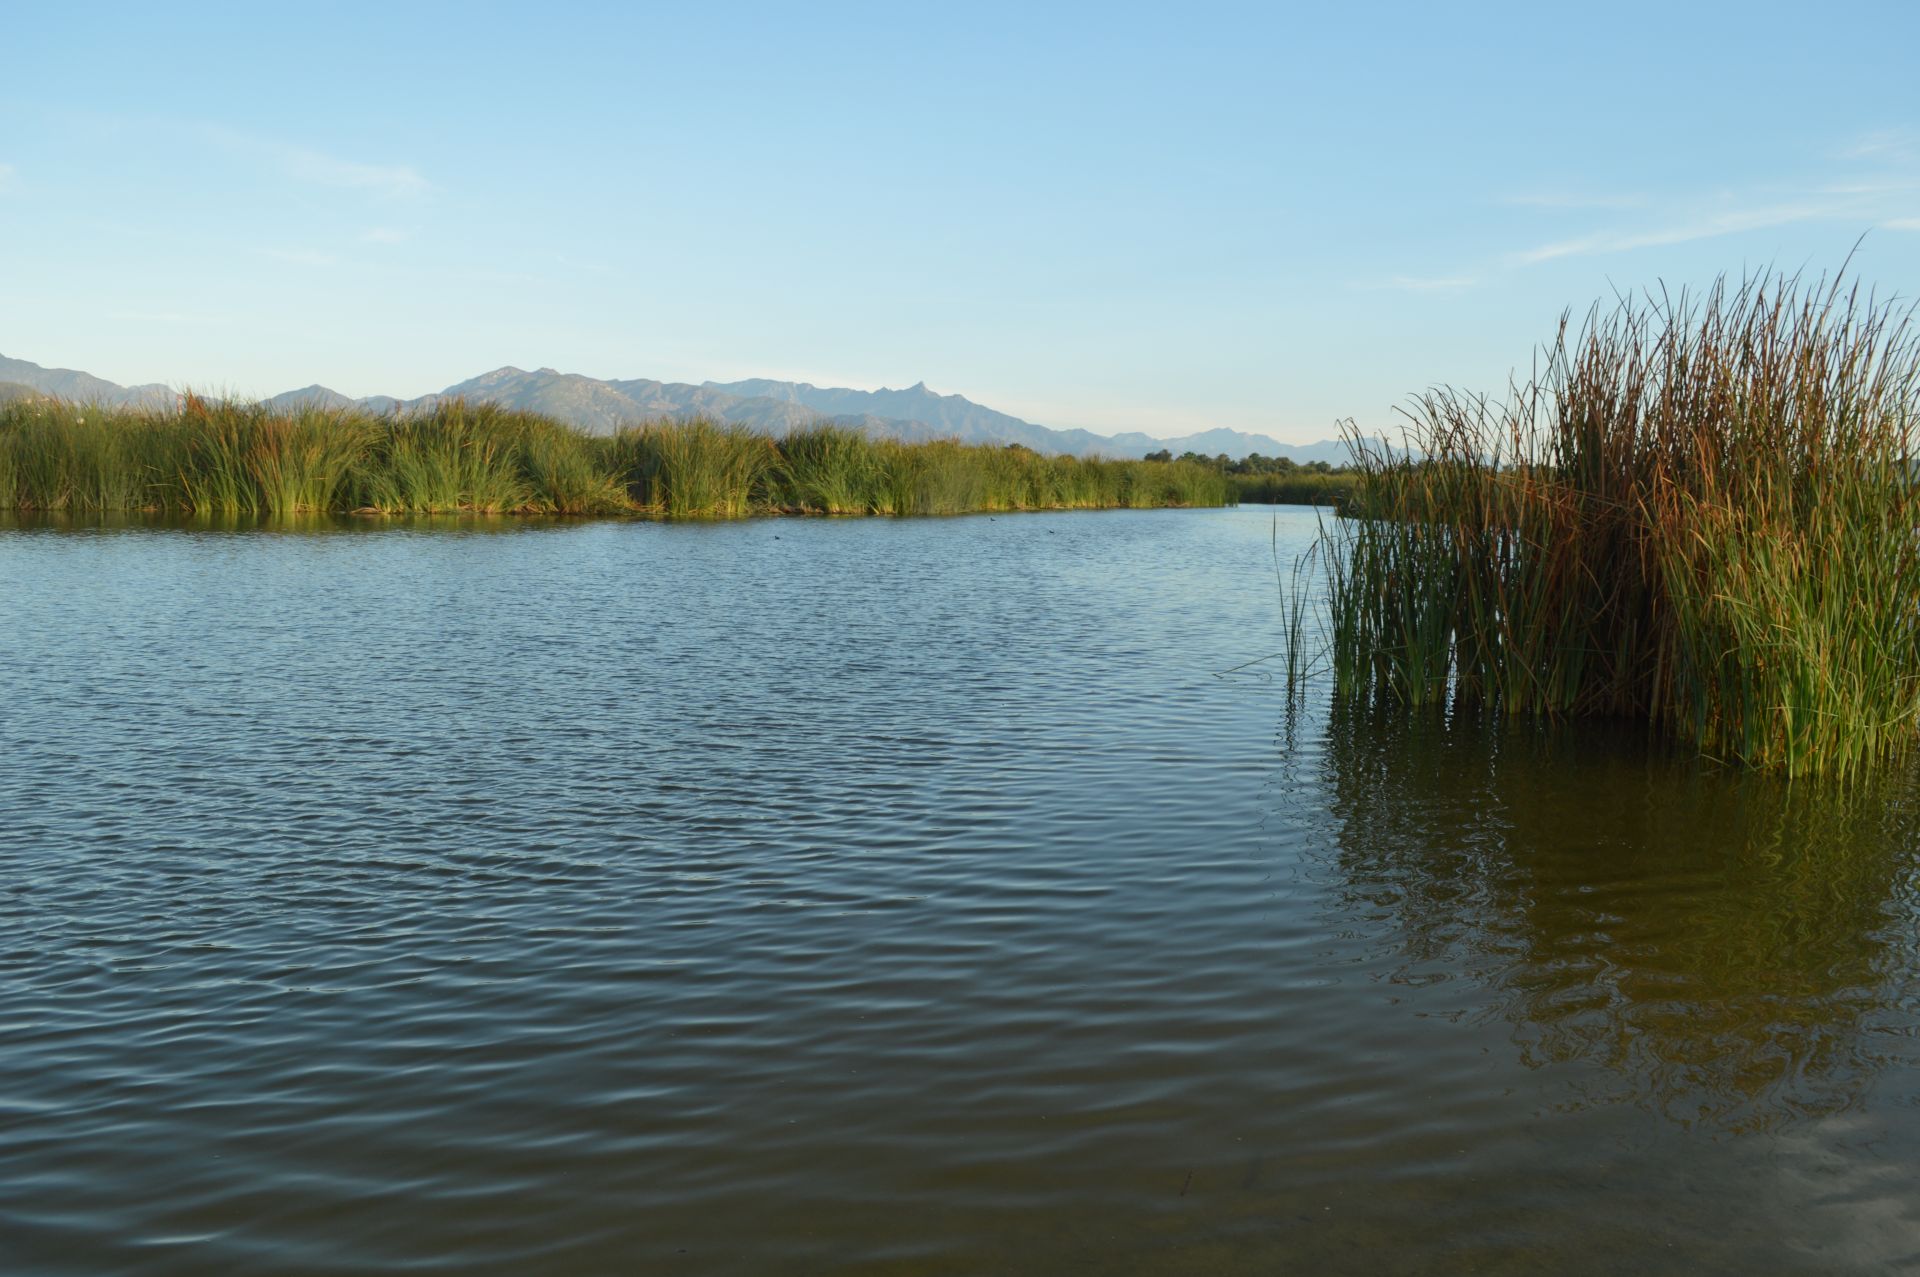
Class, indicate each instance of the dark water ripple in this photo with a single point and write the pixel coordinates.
(886, 898)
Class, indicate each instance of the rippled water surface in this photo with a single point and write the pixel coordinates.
(887, 897)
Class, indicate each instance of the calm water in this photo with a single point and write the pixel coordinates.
(887, 897)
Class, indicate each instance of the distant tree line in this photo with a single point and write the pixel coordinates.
(1252, 463)
(1280, 480)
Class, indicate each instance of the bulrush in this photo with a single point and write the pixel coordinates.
(1699, 512)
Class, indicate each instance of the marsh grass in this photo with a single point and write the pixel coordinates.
(450, 459)
(229, 458)
(1300, 487)
(73, 457)
(566, 472)
(827, 470)
(243, 459)
(694, 469)
(1699, 512)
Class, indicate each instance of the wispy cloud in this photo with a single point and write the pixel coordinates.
(1679, 232)
(1879, 191)
(168, 317)
(382, 235)
(327, 170)
(1571, 200)
(1423, 283)
(390, 181)
(299, 256)
(1882, 186)
(1872, 178)
(1895, 145)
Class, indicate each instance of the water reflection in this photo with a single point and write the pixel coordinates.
(1725, 950)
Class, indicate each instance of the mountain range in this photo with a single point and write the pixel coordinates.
(768, 406)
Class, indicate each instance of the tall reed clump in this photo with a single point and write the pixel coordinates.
(565, 470)
(1700, 512)
(453, 458)
(827, 469)
(56, 455)
(231, 458)
(692, 469)
(482, 458)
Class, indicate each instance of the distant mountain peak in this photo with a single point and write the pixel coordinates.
(80, 387)
(762, 404)
(314, 396)
(502, 373)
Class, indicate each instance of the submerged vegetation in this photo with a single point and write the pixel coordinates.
(224, 457)
(1700, 513)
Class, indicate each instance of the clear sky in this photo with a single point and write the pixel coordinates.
(1120, 218)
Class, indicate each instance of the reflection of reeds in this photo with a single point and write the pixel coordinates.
(221, 457)
(1698, 513)
(1716, 946)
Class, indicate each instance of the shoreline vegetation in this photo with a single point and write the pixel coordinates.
(1277, 480)
(1330, 487)
(1701, 513)
(231, 457)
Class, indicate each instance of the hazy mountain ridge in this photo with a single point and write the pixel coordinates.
(761, 404)
(70, 383)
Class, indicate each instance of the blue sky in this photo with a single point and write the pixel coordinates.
(1113, 217)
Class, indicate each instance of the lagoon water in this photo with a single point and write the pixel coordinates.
(903, 897)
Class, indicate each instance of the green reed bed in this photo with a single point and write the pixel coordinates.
(833, 470)
(1299, 487)
(695, 469)
(247, 459)
(1701, 513)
